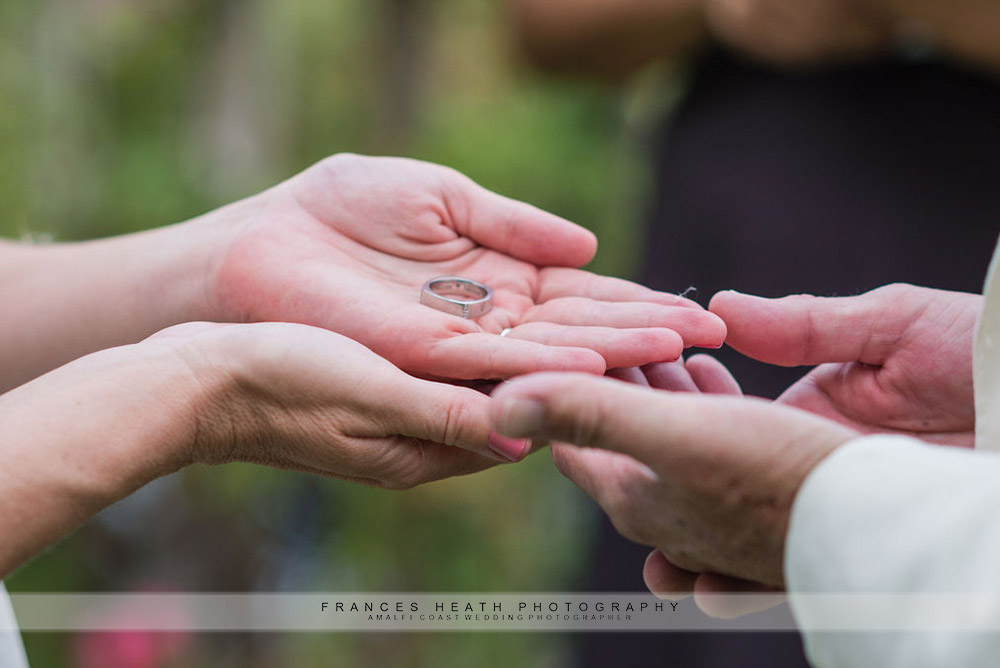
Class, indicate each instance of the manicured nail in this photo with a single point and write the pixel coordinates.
(521, 417)
(511, 449)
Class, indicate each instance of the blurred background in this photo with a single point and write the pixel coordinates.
(117, 116)
(755, 156)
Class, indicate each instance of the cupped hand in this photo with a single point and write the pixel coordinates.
(347, 244)
(896, 360)
(707, 480)
(306, 399)
(800, 33)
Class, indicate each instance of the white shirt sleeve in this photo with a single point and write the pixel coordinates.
(893, 514)
(11, 649)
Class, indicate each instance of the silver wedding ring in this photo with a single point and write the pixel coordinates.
(456, 295)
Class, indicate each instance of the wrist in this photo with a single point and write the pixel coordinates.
(217, 376)
(88, 434)
(179, 266)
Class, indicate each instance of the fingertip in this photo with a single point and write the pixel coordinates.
(511, 449)
(651, 346)
(546, 239)
(666, 581)
(673, 346)
(519, 417)
(722, 300)
(711, 376)
(701, 359)
(588, 245)
(569, 244)
(724, 597)
(711, 334)
(519, 407)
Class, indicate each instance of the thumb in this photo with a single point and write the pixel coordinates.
(688, 436)
(518, 229)
(655, 427)
(803, 329)
(450, 415)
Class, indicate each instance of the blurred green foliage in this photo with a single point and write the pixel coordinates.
(118, 116)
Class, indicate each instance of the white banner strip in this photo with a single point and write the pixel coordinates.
(450, 612)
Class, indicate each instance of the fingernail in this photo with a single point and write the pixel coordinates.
(511, 449)
(521, 417)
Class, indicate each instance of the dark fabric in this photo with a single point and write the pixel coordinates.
(829, 183)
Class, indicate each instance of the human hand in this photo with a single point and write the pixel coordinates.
(716, 595)
(707, 480)
(290, 396)
(305, 399)
(897, 359)
(347, 244)
(796, 33)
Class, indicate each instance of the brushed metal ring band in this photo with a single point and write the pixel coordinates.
(459, 296)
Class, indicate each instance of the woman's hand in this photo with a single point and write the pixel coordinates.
(305, 399)
(289, 396)
(347, 244)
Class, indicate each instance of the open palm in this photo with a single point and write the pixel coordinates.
(897, 359)
(347, 244)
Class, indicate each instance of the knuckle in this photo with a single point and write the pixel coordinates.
(339, 164)
(338, 160)
(585, 427)
(893, 291)
(455, 421)
(411, 470)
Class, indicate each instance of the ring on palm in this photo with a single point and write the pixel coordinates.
(456, 295)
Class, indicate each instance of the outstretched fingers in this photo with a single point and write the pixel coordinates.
(620, 347)
(696, 326)
(483, 355)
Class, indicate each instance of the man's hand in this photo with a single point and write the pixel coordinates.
(347, 244)
(897, 359)
(708, 480)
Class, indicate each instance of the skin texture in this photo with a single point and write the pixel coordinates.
(346, 246)
(282, 395)
(894, 360)
(710, 480)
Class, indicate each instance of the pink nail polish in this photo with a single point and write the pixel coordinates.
(512, 449)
